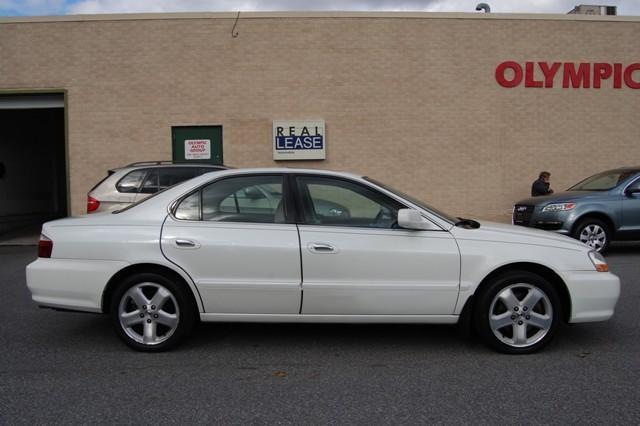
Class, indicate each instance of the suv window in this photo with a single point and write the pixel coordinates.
(257, 199)
(328, 201)
(130, 183)
(170, 176)
(635, 185)
(150, 183)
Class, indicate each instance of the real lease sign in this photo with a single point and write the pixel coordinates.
(568, 75)
(299, 140)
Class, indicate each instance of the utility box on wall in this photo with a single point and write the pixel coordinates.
(198, 144)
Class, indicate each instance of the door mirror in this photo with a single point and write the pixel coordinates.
(253, 193)
(412, 219)
(629, 192)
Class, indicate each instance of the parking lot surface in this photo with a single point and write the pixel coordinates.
(70, 368)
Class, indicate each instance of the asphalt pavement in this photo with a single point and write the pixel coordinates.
(68, 368)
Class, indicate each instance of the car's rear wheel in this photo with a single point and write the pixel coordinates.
(151, 312)
(517, 313)
(594, 233)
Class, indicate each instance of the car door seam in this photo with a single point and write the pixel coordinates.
(301, 270)
(178, 266)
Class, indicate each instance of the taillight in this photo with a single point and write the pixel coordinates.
(92, 204)
(45, 247)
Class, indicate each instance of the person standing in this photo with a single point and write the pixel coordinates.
(541, 185)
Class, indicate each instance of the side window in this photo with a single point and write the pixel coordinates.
(170, 176)
(338, 202)
(131, 182)
(256, 199)
(635, 185)
(189, 208)
(150, 183)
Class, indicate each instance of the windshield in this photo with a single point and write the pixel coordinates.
(415, 201)
(603, 181)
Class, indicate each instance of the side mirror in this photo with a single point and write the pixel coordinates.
(629, 192)
(412, 219)
(253, 193)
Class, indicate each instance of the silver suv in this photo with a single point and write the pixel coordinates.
(126, 185)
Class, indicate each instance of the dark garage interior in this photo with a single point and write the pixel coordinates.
(33, 182)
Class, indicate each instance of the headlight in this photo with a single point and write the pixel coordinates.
(598, 261)
(559, 207)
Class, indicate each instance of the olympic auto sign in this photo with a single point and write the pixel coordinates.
(568, 75)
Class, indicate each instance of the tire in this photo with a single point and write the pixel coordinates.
(508, 322)
(594, 233)
(152, 313)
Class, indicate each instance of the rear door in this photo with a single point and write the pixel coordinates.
(356, 261)
(235, 239)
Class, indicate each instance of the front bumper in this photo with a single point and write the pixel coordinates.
(560, 222)
(593, 295)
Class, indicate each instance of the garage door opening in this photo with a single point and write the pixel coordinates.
(33, 177)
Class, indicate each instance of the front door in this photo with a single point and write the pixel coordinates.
(234, 239)
(631, 211)
(356, 260)
(199, 144)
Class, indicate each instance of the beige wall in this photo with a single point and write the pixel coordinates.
(411, 100)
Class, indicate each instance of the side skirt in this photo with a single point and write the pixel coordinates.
(380, 319)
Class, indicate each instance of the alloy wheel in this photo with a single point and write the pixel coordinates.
(521, 315)
(148, 313)
(594, 236)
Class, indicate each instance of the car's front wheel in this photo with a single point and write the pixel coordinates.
(594, 233)
(517, 313)
(151, 312)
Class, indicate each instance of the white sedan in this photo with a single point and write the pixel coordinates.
(293, 245)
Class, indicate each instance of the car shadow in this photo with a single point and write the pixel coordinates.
(345, 336)
(624, 248)
(94, 333)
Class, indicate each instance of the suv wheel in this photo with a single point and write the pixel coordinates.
(594, 233)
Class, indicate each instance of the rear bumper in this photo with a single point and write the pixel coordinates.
(70, 284)
(593, 295)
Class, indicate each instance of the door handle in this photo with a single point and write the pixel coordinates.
(181, 243)
(321, 248)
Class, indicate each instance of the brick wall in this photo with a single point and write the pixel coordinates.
(410, 100)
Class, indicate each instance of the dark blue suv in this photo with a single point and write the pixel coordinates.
(600, 209)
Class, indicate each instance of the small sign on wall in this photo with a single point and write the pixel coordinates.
(197, 149)
(299, 140)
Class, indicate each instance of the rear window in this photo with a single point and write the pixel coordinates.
(109, 173)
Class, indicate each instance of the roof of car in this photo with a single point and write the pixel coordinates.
(285, 170)
(625, 169)
(144, 164)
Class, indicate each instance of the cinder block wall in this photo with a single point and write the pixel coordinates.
(410, 99)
